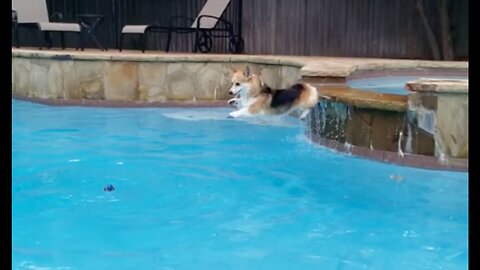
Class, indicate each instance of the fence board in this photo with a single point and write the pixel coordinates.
(361, 28)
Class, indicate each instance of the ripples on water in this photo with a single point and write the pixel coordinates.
(194, 190)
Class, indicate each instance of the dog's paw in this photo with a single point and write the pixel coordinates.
(234, 114)
(233, 102)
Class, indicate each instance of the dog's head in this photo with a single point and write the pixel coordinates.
(240, 81)
(244, 82)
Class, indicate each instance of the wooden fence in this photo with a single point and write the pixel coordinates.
(359, 28)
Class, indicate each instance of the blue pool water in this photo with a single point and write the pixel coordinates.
(194, 190)
(392, 84)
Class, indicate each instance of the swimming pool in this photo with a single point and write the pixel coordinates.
(392, 84)
(194, 190)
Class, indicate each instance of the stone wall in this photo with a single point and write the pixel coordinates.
(421, 136)
(350, 125)
(149, 81)
(433, 125)
(442, 120)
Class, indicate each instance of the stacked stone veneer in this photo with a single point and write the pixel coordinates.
(430, 131)
(147, 81)
(439, 108)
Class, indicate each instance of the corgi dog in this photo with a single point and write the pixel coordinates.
(254, 97)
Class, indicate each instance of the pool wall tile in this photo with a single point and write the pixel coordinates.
(207, 79)
(429, 102)
(151, 81)
(288, 76)
(55, 75)
(180, 82)
(84, 79)
(452, 125)
(358, 129)
(423, 142)
(121, 81)
(39, 78)
(21, 82)
(386, 127)
(270, 74)
(224, 83)
(71, 89)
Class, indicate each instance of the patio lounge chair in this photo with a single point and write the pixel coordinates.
(203, 26)
(33, 14)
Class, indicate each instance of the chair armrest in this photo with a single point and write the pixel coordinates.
(228, 25)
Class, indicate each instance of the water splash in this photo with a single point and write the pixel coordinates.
(400, 137)
(396, 177)
(408, 143)
(442, 158)
(439, 149)
(425, 119)
(322, 119)
(348, 147)
(33, 266)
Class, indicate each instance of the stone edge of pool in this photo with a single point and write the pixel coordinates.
(122, 104)
(410, 160)
(329, 74)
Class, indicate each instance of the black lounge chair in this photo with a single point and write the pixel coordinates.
(204, 26)
(33, 14)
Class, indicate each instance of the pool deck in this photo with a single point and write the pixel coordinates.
(311, 66)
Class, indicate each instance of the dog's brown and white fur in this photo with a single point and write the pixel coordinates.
(254, 97)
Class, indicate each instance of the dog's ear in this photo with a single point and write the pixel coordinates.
(246, 72)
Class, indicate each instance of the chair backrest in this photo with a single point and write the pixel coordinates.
(31, 11)
(212, 8)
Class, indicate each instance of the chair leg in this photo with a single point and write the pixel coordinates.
(15, 36)
(82, 36)
(62, 40)
(169, 38)
(195, 45)
(79, 41)
(144, 41)
(40, 39)
(47, 39)
(120, 45)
